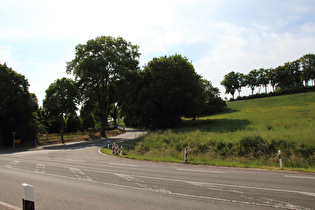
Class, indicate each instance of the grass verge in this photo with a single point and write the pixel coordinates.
(249, 134)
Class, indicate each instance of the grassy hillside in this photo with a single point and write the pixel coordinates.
(248, 134)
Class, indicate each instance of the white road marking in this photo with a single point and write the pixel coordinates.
(80, 161)
(142, 183)
(180, 194)
(9, 206)
(127, 165)
(80, 174)
(40, 168)
(204, 171)
(13, 163)
(127, 177)
(299, 177)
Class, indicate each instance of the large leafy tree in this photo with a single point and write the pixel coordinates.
(212, 100)
(61, 99)
(308, 67)
(18, 108)
(271, 73)
(231, 83)
(252, 80)
(167, 89)
(97, 65)
(263, 78)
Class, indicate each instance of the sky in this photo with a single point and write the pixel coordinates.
(38, 37)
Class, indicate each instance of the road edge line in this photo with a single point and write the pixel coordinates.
(6, 205)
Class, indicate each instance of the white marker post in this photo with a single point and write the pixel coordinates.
(280, 159)
(186, 155)
(28, 197)
(120, 150)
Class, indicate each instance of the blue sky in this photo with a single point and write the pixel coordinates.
(38, 37)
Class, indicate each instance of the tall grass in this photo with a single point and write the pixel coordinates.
(248, 134)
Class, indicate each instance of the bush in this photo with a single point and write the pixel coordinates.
(252, 145)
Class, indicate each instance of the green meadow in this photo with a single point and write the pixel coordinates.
(248, 134)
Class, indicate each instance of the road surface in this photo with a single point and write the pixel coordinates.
(79, 177)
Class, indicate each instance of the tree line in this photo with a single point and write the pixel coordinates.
(108, 83)
(291, 75)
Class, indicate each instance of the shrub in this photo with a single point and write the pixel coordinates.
(254, 145)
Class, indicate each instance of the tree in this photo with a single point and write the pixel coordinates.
(231, 83)
(293, 69)
(87, 116)
(251, 80)
(263, 78)
(61, 98)
(308, 67)
(18, 108)
(73, 123)
(98, 64)
(241, 82)
(212, 101)
(167, 89)
(272, 77)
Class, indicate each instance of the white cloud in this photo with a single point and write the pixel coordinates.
(242, 50)
(220, 35)
(6, 56)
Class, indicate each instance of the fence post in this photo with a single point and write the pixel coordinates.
(28, 197)
(186, 155)
(280, 159)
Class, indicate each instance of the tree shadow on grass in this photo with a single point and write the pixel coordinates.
(214, 125)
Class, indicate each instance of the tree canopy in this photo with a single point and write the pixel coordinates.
(286, 77)
(17, 108)
(97, 65)
(167, 89)
(61, 98)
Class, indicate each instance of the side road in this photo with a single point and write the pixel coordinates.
(128, 135)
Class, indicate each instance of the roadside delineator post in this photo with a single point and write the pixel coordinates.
(280, 159)
(115, 149)
(186, 155)
(120, 150)
(28, 197)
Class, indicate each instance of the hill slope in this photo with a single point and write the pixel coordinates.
(248, 134)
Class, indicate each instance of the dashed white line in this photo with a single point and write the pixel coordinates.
(203, 171)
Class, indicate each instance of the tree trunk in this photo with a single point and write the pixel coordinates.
(62, 128)
(103, 126)
(1, 138)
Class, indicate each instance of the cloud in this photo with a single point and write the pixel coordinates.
(244, 49)
(218, 35)
(6, 56)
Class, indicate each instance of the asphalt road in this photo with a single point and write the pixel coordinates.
(79, 177)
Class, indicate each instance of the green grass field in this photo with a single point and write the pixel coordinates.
(248, 134)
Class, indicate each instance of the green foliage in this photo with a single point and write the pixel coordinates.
(289, 76)
(248, 134)
(18, 108)
(212, 100)
(252, 145)
(99, 64)
(230, 82)
(61, 98)
(166, 90)
(73, 123)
